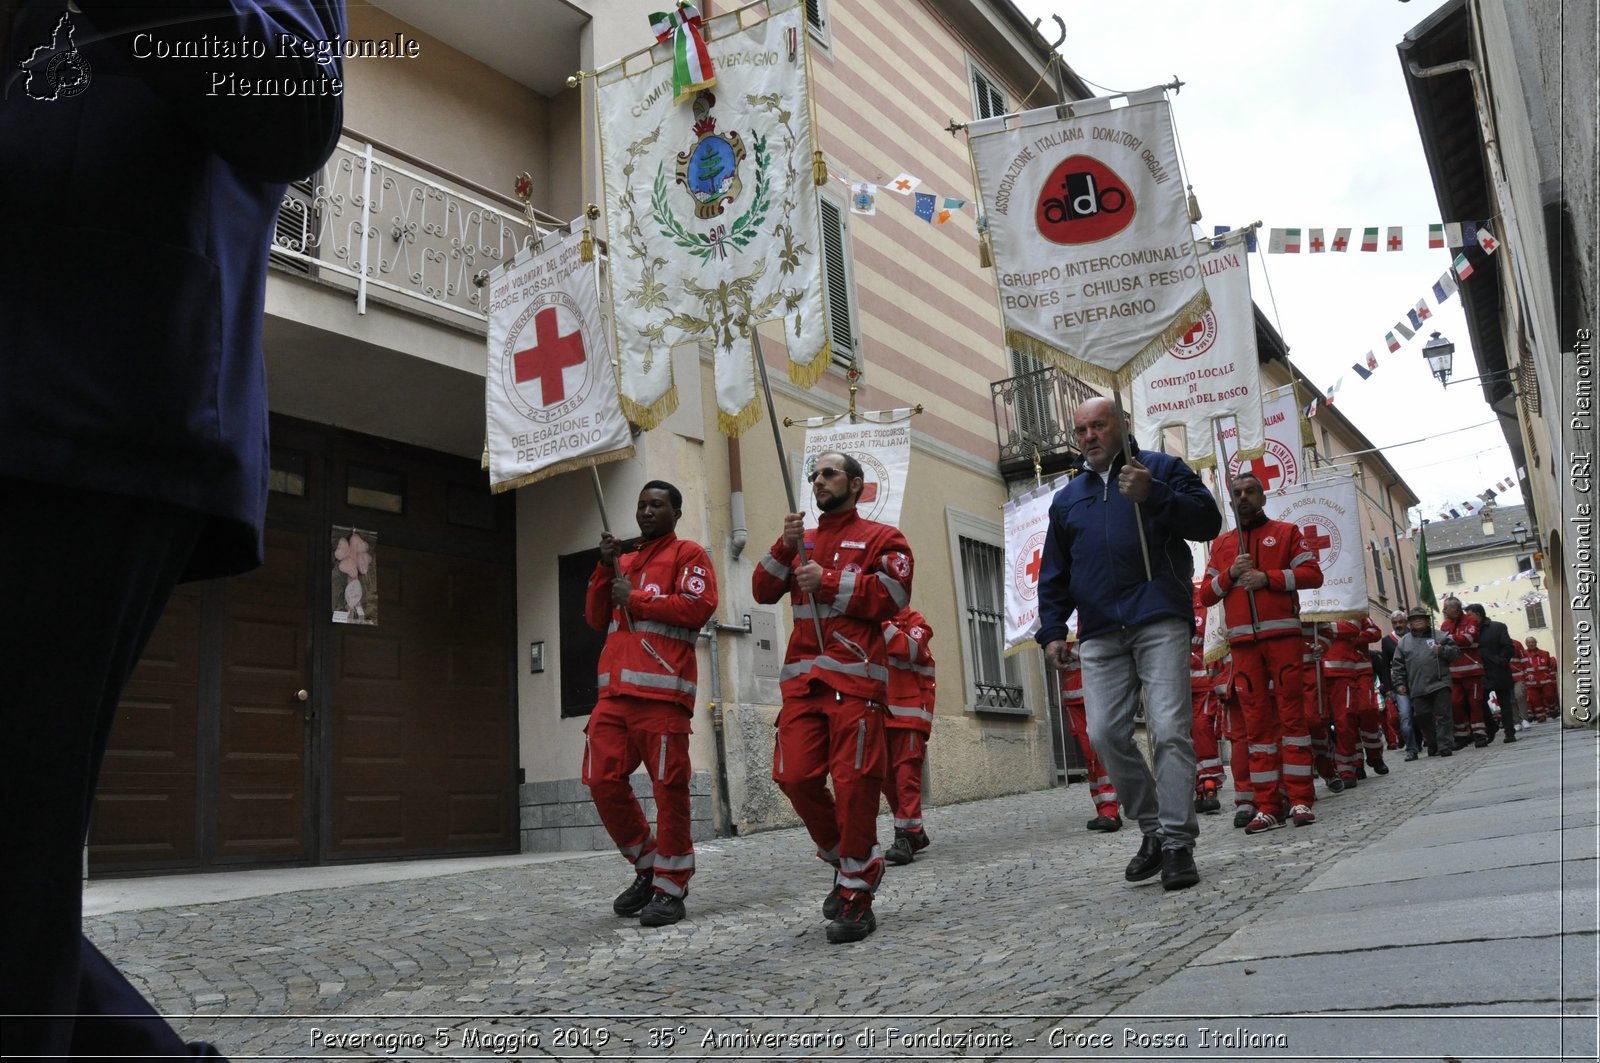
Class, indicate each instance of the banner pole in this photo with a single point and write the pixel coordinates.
(1127, 454)
(783, 467)
(1052, 678)
(600, 498)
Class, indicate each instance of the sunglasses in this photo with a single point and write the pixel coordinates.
(827, 472)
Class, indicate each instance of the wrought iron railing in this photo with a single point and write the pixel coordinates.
(1033, 415)
(386, 224)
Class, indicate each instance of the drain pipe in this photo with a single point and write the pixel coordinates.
(740, 536)
(724, 819)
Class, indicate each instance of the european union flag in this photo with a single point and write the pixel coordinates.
(925, 202)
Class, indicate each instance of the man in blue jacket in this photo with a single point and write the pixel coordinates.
(1133, 629)
(138, 200)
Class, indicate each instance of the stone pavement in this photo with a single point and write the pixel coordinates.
(1446, 911)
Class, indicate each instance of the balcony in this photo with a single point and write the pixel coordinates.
(382, 224)
(1033, 418)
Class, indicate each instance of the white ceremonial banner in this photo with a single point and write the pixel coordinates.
(1325, 511)
(1211, 371)
(1097, 270)
(1027, 518)
(550, 389)
(711, 207)
(884, 451)
(1282, 461)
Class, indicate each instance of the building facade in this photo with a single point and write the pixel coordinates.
(1488, 557)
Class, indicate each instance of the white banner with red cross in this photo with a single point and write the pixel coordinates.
(550, 390)
(1212, 371)
(1325, 511)
(1027, 518)
(884, 451)
(1282, 462)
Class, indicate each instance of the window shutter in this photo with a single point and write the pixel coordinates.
(841, 330)
(987, 98)
(295, 227)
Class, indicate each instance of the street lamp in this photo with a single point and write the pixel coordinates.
(1519, 533)
(1440, 353)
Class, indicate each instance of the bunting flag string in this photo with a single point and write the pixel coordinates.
(1456, 235)
(931, 207)
(1484, 498)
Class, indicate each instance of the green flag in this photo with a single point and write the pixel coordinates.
(1424, 581)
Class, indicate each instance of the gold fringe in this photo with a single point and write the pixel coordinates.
(735, 424)
(586, 246)
(1205, 461)
(985, 251)
(1216, 655)
(483, 463)
(804, 376)
(1099, 375)
(1307, 437)
(819, 169)
(1344, 614)
(1088, 372)
(1191, 312)
(647, 417)
(1252, 454)
(569, 465)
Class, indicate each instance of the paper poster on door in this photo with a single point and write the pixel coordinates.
(355, 576)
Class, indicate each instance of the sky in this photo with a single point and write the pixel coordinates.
(1295, 114)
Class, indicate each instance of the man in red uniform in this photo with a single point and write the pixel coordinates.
(653, 602)
(1543, 702)
(909, 723)
(1205, 729)
(1107, 811)
(1315, 705)
(1356, 726)
(1519, 682)
(856, 574)
(1231, 712)
(1469, 703)
(1255, 573)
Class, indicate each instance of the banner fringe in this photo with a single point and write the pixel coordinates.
(804, 375)
(735, 424)
(1187, 316)
(567, 465)
(648, 417)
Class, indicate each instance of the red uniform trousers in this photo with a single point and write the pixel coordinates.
(825, 734)
(1551, 695)
(902, 783)
(1101, 792)
(1389, 711)
(1207, 752)
(1469, 707)
(1267, 682)
(1315, 704)
(1356, 727)
(622, 732)
(1238, 736)
(1535, 695)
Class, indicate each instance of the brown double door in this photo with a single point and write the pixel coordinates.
(256, 730)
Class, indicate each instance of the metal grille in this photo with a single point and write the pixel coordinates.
(841, 332)
(997, 677)
(1033, 410)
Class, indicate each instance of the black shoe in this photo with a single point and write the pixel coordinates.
(1510, 737)
(1207, 802)
(632, 900)
(1177, 868)
(1463, 743)
(1109, 824)
(1361, 772)
(831, 903)
(1147, 862)
(1447, 752)
(663, 910)
(919, 840)
(1412, 756)
(1243, 816)
(1349, 784)
(1337, 785)
(1380, 769)
(1432, 752)
(900, 853)
(1480, 742)
(854, 921)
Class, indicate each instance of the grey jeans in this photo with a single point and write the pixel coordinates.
(1153, 657)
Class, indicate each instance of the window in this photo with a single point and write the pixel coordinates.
(1452, 574)
(1525, 563)
(836, 266)
(987, 99)
(374, 488)
(814, 14)
(1034, 416)
(1377, 569)
(997, 678)
(295, 228)
(288, 473)
(580, 643)
(1535, 612)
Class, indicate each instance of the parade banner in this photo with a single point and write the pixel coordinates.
(711, 207)
(1281, 463)
(884, 451)
(1325, 511)
(1212, 371)
(1097, 270)
(1027, 518)
(550, 389)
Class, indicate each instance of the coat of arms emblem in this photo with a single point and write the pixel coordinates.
(710, 169)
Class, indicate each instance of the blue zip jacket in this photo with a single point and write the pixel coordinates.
(1092, 560)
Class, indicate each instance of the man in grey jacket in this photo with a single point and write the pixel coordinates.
(1421, 671)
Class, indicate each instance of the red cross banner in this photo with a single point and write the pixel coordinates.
(1325, 511)
(550, 392)
(884, 451)
(1211, 372)
(1027, 517)
(1281, 463)
(711, 211)
(1089, 224)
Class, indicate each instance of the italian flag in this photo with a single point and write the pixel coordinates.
(1291, 241)
(691, 62)
(1369, 239)
(1435, 237)
(1462, 267)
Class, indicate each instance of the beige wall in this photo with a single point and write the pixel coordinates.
(1488, 581)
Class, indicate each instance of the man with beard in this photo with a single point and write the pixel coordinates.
(855, 574)
(653, 602)
(1256, 573)
(1133, 592)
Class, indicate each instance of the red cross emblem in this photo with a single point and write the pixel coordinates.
(1035, 563)
(1265, 471)
(1196, 330)
(1316, 540)
(1316, 243)
(1394, 243)
(1340, 243)
(550, 356)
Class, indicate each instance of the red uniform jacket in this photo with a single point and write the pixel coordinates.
(1542, 667)
(1199, 678)
(1463, 631)
(1519, 662)
(1279, 549)
(911, 687)
(650, 650)
(1347, 654)
(866, 579)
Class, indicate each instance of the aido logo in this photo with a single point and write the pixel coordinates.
(1083, 201)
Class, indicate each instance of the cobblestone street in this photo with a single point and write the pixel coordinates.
(1014, 935)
